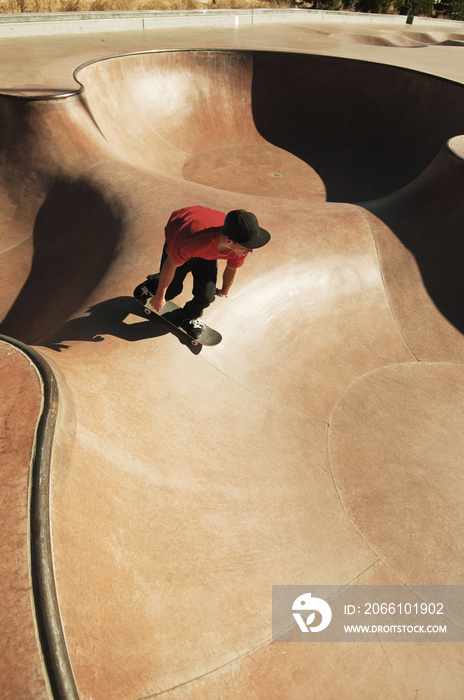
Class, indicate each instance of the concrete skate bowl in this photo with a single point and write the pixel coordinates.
(320, 440)
(405, 39)
(367, 129)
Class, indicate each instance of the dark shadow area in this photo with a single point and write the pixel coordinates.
(76, 236)
(110, 318)
(427, 217)
(106, 318)
(367, 129)
(376, 134)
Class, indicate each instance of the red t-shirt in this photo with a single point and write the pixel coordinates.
(193, 232)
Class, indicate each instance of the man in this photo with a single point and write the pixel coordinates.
(196, 238)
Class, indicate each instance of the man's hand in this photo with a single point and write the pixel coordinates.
(227, 281)
(157, 302)
(167, 273)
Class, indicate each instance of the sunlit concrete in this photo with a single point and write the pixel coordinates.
(321, 441)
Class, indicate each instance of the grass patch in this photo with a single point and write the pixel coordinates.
(20, 6)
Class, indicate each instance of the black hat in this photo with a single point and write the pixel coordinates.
(242, 227)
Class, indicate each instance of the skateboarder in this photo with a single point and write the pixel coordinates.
(196, 238)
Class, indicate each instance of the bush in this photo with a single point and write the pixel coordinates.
(456, 9)
(374, 6)
(328, 5)
(423, 8)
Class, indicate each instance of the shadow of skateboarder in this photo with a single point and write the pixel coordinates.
(109, 317)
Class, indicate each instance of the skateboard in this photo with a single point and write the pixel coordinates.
(171, 313)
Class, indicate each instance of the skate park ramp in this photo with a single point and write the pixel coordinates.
(320, 443)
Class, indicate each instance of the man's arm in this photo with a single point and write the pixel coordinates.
(228, 278)
(166, 276)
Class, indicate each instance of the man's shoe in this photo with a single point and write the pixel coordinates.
(194, 327)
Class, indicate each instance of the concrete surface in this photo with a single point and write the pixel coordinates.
(21, 669)
(321, 441)
(72, 23)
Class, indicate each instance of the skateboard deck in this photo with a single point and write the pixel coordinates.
(171, 313)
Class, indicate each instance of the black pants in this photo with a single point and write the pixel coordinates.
(204, 274)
